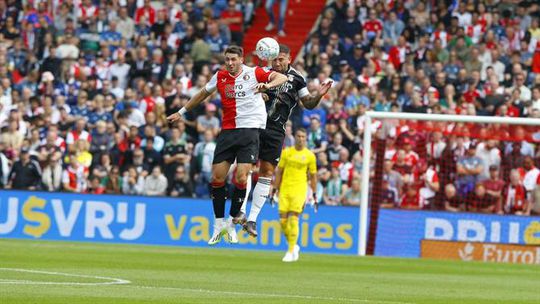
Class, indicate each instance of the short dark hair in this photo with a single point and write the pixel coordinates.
(234, 49)
(284, 49)
(303, 130)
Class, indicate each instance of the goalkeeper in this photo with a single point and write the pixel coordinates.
(294, 167)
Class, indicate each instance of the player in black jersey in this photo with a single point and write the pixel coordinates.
(281, 101)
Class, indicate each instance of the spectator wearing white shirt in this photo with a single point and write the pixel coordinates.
(204, 155)
(490, 155)
(155, 183)
(125, 24)
(208, 121)
(120, 70)
(132, 182)
(531, 175)
(464, 17)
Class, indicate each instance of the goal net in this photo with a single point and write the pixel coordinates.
(427, 172)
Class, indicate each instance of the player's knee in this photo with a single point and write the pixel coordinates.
(241, 179)
(266, 169)
(266, 172)
(217, 179)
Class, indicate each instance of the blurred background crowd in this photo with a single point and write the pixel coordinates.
(85, 87)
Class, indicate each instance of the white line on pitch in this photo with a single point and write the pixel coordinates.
(269, 295)
(111, 281)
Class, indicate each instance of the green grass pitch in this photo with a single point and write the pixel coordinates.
(61, 272)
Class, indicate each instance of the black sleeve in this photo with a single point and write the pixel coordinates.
(13, 172)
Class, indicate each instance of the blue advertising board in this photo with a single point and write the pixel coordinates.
(399, 232)
(161, 221)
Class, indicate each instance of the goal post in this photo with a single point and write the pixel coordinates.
(367, 229)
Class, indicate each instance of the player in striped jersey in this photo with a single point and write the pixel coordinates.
(282, 100)
(244, 115)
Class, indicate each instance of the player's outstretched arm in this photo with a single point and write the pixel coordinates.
(276, 79)
(312, 101)
(191, 104)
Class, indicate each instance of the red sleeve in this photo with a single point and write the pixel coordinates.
(138, 15)
(262, 75)
(152, 16)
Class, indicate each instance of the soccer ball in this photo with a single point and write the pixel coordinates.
(267, 49)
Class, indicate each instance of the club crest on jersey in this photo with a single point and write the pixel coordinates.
(291, 78)
(246, 77)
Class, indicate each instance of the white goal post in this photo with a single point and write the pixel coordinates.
(367, 138)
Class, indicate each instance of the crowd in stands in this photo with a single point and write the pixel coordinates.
(443, 57)
(85, 87)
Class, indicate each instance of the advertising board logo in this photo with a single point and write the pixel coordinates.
(466, 253)
(484, 252)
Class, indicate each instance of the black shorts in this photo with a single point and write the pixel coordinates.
(271, 145)
(239, 144)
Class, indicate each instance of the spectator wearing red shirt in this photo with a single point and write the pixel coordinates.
(75, 176)
(78, 133)
(95, 186)
(147, 103)
(515, 196)
(235, 20)
(411, 199)
(133, 140)
(148, 11)
(87, 13)
(472, 94)
(509, 109)
(411, 157)
(373, 27)
(536, 59)
(494, 186)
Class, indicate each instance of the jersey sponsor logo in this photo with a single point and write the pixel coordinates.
(234, 91)
(223, 79)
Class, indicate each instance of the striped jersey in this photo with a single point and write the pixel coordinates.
(242, 105)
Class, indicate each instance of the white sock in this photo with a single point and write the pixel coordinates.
(260, 194)
(248, 189)
(219, 223)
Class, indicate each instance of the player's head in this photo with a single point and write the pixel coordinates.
(300, 139)
(234, 58)
(281, 63)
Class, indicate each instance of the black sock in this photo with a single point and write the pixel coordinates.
(237, 201)
(219, 195)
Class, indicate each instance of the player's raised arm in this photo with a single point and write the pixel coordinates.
(312, 101)
(269, 79)
(276, 79)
